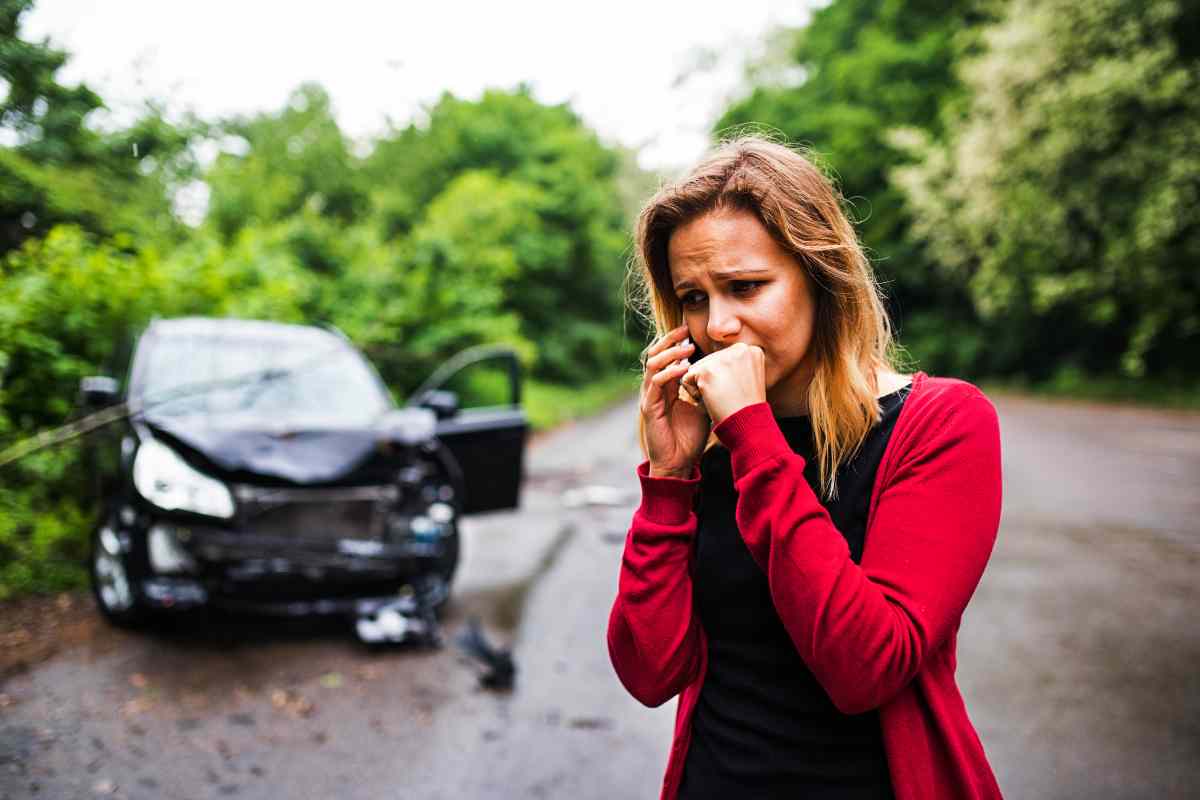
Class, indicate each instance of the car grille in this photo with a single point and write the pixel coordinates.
(315, 514)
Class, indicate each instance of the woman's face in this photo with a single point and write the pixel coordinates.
(735, 283)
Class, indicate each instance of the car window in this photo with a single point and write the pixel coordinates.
(271, 378)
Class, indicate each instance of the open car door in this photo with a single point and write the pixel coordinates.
(476, 396)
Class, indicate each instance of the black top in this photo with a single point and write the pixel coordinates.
(764, 727)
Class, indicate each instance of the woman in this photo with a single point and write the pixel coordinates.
(812, 522)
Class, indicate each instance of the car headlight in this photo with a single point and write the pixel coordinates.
(166, 480)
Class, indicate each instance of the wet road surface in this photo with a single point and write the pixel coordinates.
(1078, 657)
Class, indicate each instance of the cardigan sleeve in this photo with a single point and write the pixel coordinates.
(654, 639)
(866, 630)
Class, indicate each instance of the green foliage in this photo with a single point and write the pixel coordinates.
(294, 160)
(1024, 173)
(492, 221)
(497, 220)
(549, 404)
(65, 305)
(865, 67)
(41, 550)
(1067, 197)
(47, 116)
(61, 170)
(569, 246)
(440, 289)
(1071, 384)
(56, 296)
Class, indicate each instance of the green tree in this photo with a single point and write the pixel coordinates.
(291, 160)
(566, 288)
(60, 169)
(1067, 197)
(503, 179)
(441, 288)
(859, 69)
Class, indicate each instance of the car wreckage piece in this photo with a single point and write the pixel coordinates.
(265, 468)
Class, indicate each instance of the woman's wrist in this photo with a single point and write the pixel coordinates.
(671, 472)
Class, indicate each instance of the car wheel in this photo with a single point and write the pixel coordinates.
(447, 565)
(446, 487)
(113, 584)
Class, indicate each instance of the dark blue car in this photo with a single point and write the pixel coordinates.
(264, 467)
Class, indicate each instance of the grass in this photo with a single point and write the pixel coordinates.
(549, 405)
(1072, 385)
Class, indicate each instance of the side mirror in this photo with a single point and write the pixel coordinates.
(443, 403)
(98, 391)
(408, 426)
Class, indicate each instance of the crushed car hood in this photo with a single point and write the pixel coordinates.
(309, 455)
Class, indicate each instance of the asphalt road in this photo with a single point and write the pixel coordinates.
(1078, 657)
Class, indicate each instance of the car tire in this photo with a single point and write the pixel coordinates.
(446, 568)
(114, 583)
(449, 475)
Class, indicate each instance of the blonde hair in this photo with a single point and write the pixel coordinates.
(799, 207)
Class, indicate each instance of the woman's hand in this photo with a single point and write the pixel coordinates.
(729, 380)
(675, 431)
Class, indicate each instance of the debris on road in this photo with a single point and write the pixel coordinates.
(590, 723)
(594, 495)
(501, 670)
(409, 618)
(291, 702)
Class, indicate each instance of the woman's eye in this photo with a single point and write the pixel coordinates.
(744, 287)
(691, 299)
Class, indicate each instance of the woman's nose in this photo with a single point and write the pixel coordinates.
(723, 325)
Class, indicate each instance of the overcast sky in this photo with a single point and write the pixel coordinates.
(616, 62)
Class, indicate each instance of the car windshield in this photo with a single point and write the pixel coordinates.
(277, 379)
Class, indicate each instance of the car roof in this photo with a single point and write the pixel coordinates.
(232, 328)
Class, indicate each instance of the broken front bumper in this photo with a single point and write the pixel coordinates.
(290, 575)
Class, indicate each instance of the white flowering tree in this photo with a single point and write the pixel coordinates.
(1067, 196)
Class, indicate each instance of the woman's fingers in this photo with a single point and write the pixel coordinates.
(664, 351)
(669, 356)
(665, 362)
(668, 339)
(670, 373)
(656, 398)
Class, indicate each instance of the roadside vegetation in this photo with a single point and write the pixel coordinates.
(550, 405)
(1026, 176)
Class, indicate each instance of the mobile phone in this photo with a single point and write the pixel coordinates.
(685, 394)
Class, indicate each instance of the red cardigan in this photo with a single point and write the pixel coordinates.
(880, 635)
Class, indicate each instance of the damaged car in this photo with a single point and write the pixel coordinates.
(264, 467)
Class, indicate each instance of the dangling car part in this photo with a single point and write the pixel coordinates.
(265, 468)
